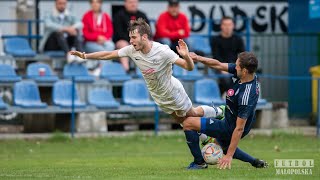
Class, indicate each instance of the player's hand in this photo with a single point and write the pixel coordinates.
(182, 48)
(225, 162)
(194, 56)
(79, 54)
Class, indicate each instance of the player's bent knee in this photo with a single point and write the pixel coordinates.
(191, 124)
(187, 125)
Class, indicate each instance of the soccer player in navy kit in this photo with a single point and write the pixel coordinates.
(240, 109)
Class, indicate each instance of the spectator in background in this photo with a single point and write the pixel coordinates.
(226, 48)
(61, 30)
(121, 23)
(97, 31)
(172, 25)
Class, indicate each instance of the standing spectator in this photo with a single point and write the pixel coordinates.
(172, 25)
(97, 31)
(226, 48)
(121, 23)
(61, 29)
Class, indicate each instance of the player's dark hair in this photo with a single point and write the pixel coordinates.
(249, 61)
(226, 18)
(141, 25)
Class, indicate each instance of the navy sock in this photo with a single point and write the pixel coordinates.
(192, 138)
(241, 155)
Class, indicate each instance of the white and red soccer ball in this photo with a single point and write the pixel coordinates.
(211, 153)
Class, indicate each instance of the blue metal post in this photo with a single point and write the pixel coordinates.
(156, 120)
(210, 22)
(29, 30)
(248, 43)
(318, 116)
(72, 107)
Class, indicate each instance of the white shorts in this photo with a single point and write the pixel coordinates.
(181, 103)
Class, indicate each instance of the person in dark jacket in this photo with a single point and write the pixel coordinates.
(226, 47)
(121, 23)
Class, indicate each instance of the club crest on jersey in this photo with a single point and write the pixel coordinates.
(230, 92)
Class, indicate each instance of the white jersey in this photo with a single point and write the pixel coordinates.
(156, 68)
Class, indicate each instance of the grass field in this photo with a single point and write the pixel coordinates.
(143, 157)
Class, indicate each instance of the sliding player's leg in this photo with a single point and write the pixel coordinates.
(190, 127)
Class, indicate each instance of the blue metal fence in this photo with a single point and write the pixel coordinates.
(30, 23)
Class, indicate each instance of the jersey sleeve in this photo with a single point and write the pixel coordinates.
(232, 68)
(244, 111)
(171, 56)
(125, 51)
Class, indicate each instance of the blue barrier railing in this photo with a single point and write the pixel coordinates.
(29, 22)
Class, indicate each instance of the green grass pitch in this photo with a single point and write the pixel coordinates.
(144, 157)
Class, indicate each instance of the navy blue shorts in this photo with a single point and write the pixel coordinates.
(217, 129)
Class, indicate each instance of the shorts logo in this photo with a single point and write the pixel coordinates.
(211, 121)
(230, 92)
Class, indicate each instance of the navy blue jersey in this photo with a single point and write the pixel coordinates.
(241, 101)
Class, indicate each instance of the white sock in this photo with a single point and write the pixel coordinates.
(211, 112)
(202, 137)
(220, 112)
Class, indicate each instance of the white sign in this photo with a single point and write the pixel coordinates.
(265, 17)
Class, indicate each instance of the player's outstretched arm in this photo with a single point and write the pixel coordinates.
(186, 62)
(213, 63)
(101, 55)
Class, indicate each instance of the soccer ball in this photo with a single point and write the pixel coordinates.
(211, 153)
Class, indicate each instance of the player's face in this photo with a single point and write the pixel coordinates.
(61, 5)
(136, 40)
(239, 70)
(96, 5)
(131, 5)
(227, 26)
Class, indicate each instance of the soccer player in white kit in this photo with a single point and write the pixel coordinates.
(155, 62)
